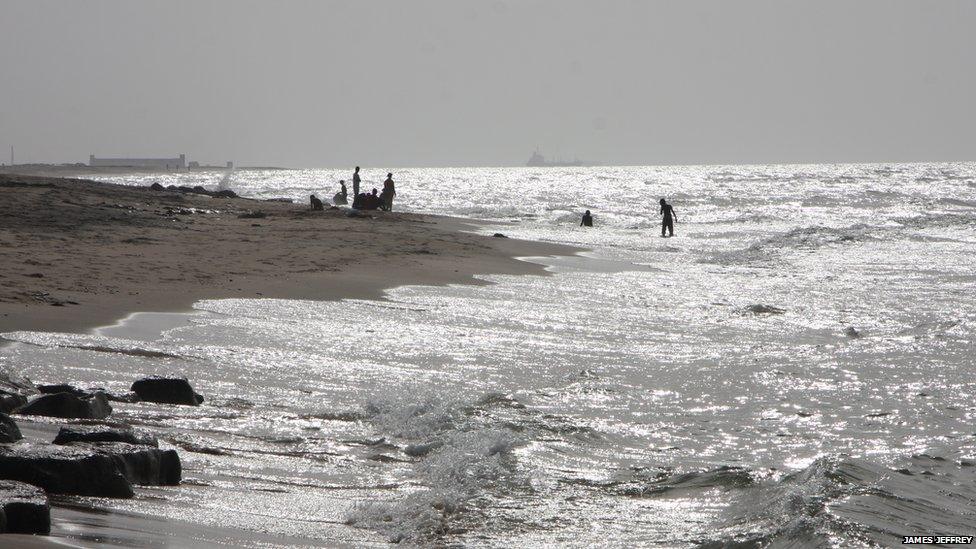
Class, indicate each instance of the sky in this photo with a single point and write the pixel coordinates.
(398, 83)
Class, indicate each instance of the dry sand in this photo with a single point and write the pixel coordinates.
(77, 254)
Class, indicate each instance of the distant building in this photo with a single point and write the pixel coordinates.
(157, 163)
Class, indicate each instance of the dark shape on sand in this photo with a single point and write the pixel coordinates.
(166, 390)
(100, 469)
(68, 405)
(157, 187)
(25, 508)
(101, 433)
(9, 432)
(252, 215)
(499, 235)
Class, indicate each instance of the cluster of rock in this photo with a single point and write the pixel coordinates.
(103, 460)
(226, 193)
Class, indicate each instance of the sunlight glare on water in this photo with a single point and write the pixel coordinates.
(807, 334)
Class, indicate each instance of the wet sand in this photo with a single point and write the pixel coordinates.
(77, 254)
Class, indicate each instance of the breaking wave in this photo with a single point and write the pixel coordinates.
(853, 501)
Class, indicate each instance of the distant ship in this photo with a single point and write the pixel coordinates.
(539, 161)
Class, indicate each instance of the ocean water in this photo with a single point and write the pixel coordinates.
(794, 369)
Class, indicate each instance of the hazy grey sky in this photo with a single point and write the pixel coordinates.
(456, 82)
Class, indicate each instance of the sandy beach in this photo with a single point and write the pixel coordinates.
(77, 254)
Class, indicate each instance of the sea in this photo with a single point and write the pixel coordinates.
(796, 367)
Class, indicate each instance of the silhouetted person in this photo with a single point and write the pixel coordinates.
(341, 197)
(315, 202)
(587, 220)
(355, 182)
(667, 223)
(359, 201)
(389, 191)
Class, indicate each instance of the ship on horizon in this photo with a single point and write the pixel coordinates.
(539, 161)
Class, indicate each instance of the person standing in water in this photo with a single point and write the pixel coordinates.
(667, 223)
(389, 191)
(587, 220)
(355, 182)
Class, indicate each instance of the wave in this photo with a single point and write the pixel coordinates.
(96, 344)
(803, 238)
(937, 220)
(852, 502)
(457, 456)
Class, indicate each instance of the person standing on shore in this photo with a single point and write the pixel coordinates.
(389, 191)
(355, 182)
(667, 223)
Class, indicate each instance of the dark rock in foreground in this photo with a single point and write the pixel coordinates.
(61, 388)
(100, 433)
(142, 464)
(166, 390)
(10, 401)
(64, 470)
(100, 469)
(9, 432)
(25, 508)
(68, 405)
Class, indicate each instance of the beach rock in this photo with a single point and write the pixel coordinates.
(499, 235)
(226, 193)
(762, 309)
(10, 401)
(61, 388)
(25, 508)
(166, 390)
(142, 464)
(157, 187)
(9, 432)
(100, 433)
(68, 405)
(128, 397)
(104, 469)
(82, 471)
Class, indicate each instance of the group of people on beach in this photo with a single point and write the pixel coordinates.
(668, 219)
(375, 200)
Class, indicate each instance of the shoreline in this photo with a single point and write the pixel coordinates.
(84, 263)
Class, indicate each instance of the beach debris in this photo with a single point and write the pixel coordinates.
(852, 333)
(9, 432)
(25, 508)
(67, 405)
(166, 390)
(90, 469)
(499, 235)
(157, 187)
(103, 433)
(252, 214)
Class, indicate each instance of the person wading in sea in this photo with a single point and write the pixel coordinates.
(667, 224)
(587, 220)
(355, 182)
